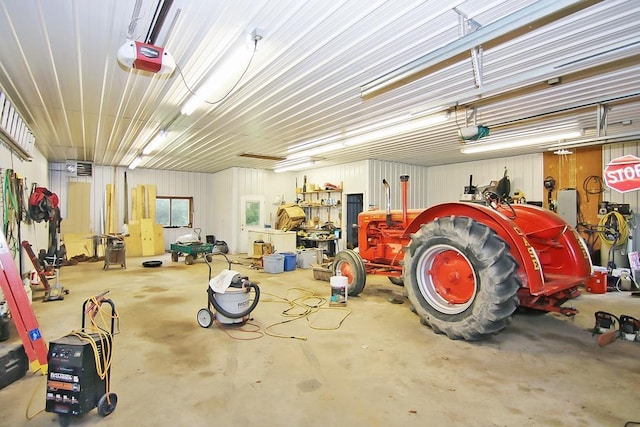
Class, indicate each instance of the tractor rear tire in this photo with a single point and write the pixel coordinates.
(461, 278)
(348, 263)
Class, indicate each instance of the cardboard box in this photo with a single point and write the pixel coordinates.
(261, 248)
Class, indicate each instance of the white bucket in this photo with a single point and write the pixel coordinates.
(233, 301)
(339, 286)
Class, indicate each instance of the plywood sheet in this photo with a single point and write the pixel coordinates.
(158, 239)
(146, 229)
(77, 218)
(151, 191)
(77, 244)
(133, 242)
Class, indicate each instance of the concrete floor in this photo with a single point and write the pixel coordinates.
(380, 368)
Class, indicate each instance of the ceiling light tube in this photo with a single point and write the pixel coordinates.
(317, 150)
(221, 81)
(135, 162)
(155, 142)
(295, 167)
(525, 141)
(291, 162)
(313, 143)
(362, 137)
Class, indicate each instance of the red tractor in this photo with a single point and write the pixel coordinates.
(467, 266)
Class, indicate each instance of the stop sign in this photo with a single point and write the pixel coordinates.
(623, 174)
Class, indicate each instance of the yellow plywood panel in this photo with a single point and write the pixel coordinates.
(151, 201)
(146, 230)
(134, 205)
(109, 209)
(139, 202)
(158, 239)
(78, 208)
(133, 242)
(77, 244)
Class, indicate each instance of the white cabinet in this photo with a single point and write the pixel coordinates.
(282, 241)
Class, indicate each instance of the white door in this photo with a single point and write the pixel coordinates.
(251, 216)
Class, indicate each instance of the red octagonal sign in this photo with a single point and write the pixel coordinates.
(623, 174)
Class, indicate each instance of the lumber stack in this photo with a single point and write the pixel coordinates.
(146, 238)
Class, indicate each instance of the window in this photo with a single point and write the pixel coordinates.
(174, 211)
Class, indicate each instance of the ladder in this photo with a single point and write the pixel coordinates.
(21, 310)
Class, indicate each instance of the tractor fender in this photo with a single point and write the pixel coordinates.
(541, 226)
(529, 267)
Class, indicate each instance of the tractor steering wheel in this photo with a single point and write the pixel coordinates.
(496, 201)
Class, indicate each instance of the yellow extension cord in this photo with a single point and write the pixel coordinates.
(103, 364)
(606, 231)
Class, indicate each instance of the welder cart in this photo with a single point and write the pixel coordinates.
(79, 367)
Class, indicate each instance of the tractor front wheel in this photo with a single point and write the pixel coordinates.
(461, 278)
(348, 263)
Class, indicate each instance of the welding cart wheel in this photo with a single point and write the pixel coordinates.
(348, 263)
(64, 420)
(208, 257)
(461, 278)
(188, 259)
(174, 256)
(107, 405)
(205, 318)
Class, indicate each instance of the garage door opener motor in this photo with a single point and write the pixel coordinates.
(229, 296)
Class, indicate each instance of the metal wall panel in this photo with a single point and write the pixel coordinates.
(417, 188)
(447, 182)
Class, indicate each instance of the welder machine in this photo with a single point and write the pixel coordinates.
(79, 366)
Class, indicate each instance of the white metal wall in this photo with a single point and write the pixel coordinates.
(446, 183)
(168, 183)
(217, 196)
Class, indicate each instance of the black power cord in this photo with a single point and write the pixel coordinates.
(255, 47)
(588, 189)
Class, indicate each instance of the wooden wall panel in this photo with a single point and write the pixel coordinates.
(581, 170)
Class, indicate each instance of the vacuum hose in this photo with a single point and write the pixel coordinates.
(219, 309)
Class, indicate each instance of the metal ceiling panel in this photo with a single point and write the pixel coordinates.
(59, 68)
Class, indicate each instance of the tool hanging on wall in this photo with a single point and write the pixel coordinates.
(550, 185)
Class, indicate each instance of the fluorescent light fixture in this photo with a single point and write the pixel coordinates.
(221, 81)
(155, 142)
(317, 150)
(135, 162)
(313, 143)
(384, 129)
(515, 143)
(294, 167)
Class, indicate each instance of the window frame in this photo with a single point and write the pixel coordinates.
(171, 199)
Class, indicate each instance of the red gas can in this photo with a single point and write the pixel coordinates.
(597, 284)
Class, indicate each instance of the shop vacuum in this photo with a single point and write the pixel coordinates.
(79, 366)
(228, 295)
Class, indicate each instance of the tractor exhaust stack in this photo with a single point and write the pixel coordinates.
(388, 197)
(404, 179)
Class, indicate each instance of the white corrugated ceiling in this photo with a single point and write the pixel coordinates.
(59, 69)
